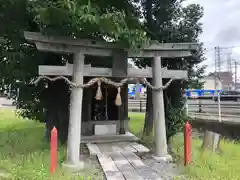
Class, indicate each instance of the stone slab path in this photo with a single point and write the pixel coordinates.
(119, 161)
(124, 147)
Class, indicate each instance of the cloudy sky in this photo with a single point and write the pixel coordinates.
(221, 27)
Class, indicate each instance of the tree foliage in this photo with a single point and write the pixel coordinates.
(169, 21)
(114, 21)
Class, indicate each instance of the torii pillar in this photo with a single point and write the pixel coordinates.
(161, 152)
(74, 131)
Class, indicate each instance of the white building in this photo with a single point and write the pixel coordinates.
(209, 83)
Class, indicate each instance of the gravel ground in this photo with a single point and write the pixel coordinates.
(92, 169)
(166, 170)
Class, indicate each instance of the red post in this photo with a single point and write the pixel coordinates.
(187, 143)
(53, 151)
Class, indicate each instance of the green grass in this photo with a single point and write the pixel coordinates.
(25, 155)
(205, 165)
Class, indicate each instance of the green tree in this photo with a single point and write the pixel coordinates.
(115, 20)
(169, 21)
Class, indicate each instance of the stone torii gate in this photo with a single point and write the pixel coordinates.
(82, 47)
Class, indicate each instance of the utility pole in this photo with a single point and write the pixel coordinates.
(215, 137)
(235, 74)
(217, 64)
(229, 62)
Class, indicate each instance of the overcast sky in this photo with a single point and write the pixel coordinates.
(221, 26)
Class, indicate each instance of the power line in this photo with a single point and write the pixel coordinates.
(221, 47)
(229, 47)
(224, 62)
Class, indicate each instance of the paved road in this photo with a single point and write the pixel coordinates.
(211, 102)
(6, 103)
(230, 109)
(229, 119)
(210, 106)
(207, 106)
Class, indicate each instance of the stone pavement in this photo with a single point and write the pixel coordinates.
(120, 162)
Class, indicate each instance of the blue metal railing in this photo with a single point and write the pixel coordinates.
(201, 92)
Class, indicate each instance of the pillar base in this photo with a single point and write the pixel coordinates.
(73, 167)
(122, 131)
(166, 158)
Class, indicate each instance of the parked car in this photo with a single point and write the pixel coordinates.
(228, 96)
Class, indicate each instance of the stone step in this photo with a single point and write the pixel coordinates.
(123, 147)
(128, 137)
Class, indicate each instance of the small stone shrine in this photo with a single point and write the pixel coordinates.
(99, 96)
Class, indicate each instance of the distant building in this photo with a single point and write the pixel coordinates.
(209, 83)
(224, 81)
(237, 85)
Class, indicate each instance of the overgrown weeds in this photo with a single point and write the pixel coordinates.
(205, 165)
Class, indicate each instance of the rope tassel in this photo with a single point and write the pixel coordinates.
(118, 100)
(99, 95)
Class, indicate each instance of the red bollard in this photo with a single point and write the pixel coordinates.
(187, 143)
(53, 151)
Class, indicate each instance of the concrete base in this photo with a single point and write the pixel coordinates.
(105, 129)
(73, 167)
(128, 137)
(167, 158)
